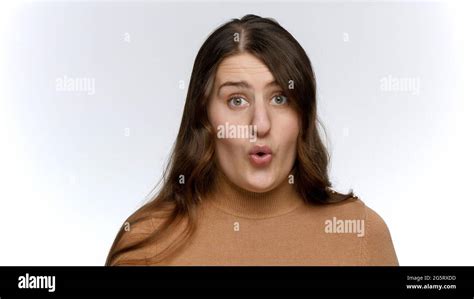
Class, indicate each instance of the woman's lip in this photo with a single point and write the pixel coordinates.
(260, 161)
(260, 149)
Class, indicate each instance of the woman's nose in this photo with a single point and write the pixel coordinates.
(261, 118)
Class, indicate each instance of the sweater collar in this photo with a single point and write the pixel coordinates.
(240, 202)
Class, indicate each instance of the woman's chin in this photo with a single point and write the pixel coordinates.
(260, 184)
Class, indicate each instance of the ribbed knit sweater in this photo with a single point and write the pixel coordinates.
(238, 227)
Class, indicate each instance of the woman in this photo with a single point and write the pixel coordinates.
(247, 182)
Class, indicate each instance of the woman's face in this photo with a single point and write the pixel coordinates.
(256, 127)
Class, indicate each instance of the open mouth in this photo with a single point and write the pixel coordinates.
(260, 155)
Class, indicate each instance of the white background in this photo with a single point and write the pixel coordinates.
(73, 166)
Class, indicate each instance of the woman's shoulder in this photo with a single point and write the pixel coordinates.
(376, 237)
(377, 240)
(361, 210)
(136, 239)
(378, 243)
(355, 208)
(130, 234)
(352, 207)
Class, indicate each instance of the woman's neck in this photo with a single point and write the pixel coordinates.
(237, 201)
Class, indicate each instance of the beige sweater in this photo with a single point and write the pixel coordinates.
(237, 227)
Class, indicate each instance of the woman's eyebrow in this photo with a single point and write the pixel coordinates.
(242, 84)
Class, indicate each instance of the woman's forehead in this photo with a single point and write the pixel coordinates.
(244, 68)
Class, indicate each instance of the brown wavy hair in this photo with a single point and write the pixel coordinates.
(193, 156)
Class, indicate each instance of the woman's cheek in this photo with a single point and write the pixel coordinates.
(289, 129)
(227, 152)
(288, 139)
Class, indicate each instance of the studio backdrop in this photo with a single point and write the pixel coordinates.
(92, 95)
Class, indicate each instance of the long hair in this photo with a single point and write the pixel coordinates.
(192, 158)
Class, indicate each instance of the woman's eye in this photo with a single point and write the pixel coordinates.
(280, 100)
(237, 102)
